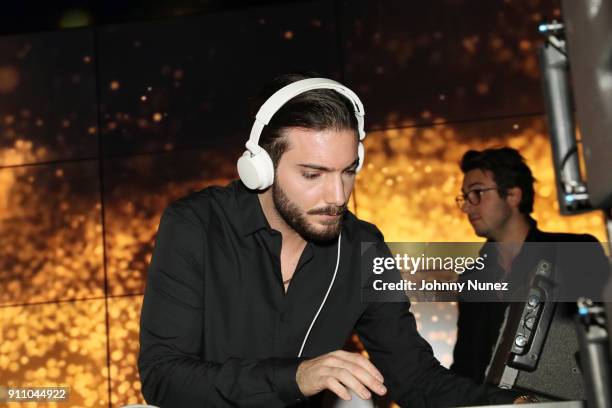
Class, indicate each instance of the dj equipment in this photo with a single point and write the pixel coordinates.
(537, 348)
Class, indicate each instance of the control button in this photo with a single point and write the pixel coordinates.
(520, 341)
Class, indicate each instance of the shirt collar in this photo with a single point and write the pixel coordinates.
(534, 234)
(251, 213)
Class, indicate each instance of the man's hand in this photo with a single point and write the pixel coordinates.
(338, 372)
(526, 399)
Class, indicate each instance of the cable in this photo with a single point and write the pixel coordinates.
(324, 299)
(572, 150)
(556, 44)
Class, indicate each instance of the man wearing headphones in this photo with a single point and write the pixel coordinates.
(254, 288)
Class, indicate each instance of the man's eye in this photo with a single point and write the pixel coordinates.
(351, 172)
(310, 176)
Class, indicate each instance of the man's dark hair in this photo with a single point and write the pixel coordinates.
(509, 170)
(317, 109)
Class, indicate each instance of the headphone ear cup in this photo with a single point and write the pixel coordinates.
(256, 170)
(361, 155)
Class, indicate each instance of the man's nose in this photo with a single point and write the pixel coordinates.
(466, 207)
(334, 191)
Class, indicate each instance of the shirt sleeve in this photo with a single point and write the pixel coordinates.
(583, 267)
(470, 356)
(412, 374)
(173, 370)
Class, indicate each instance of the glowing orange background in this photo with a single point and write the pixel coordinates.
(76, 233)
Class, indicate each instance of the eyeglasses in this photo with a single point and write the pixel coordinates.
(472, 196)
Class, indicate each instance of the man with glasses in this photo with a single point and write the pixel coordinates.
(497, 197)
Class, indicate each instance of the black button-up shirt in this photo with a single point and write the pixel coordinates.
(218, 329)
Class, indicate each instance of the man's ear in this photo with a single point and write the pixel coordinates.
(514, 196)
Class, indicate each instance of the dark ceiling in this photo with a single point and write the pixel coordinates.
(31, 16)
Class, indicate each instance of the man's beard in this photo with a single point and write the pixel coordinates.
(296, 219)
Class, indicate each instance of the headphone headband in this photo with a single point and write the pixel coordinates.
(255, 166)
(285, 94)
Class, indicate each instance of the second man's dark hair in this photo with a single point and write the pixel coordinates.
(509, 170)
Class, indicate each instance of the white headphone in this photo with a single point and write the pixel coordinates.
(255, 167)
